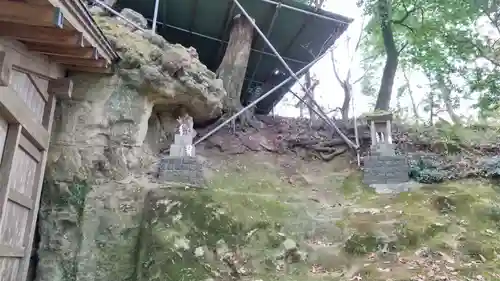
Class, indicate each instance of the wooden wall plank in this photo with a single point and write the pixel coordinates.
(24, 13)
(28, 239)
(20, 199)
(9, 268)
(11, 252)
(14, 110)
(23, 162)
(23, 179)
(30, 148)
(18, 57)
(7, 165)
(14, 222)
(27, 89)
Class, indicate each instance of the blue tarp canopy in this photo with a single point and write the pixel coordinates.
(298, 31)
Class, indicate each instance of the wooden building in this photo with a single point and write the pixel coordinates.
(40, 41)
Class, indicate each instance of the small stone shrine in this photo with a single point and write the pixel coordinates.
(383, 166)
(181, 166)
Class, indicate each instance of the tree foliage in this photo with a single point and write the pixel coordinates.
(442, 40)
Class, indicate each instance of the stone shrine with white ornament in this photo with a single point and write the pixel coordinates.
(181, 166)
(383, 166)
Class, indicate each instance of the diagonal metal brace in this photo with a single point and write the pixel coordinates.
(319, 110)
(253, 103)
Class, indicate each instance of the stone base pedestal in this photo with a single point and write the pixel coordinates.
(177, 150)
(385, 169)
(383, 149)
(185, 171)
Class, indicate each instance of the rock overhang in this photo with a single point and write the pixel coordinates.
(170, 75)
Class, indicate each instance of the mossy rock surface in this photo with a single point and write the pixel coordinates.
(235, 228)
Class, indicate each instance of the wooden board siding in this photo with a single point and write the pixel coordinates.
(9, 268)
(28, 87)
(26, 114)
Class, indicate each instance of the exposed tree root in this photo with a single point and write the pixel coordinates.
(244, 120)
(329, 156)
(325, 150)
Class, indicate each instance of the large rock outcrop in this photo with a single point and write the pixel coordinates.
(104, 146)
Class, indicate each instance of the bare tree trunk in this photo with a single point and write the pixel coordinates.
(448, 103)
(309, 98)
(412, 99)
(346, 87)
(392, 53)
(347, 102)
(234, 65)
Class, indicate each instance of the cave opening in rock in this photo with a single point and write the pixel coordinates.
(162, 125)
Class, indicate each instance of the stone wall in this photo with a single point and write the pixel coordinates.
(380, 169)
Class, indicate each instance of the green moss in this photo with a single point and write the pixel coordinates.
(353, 188)
(362, 243)
(77, 192)
(255, 181)
(194, 220)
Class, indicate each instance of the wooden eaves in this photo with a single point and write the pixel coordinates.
(61, 29)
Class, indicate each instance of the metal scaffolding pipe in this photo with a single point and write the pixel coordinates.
(111, 10)
(154, 23)
(268, 33)
(253, 103)
(155, 17)
(321, 113)
(305, 12)
(222, 41)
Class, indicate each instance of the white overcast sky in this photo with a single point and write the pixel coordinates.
(329, 93)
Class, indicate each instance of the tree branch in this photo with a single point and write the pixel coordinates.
(337, 76)
(403, 47)
(407, 26)
(408, 13)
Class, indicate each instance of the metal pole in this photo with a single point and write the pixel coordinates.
(155, 17)
(182, 29)
(118, 14)
(271, 25)
(222, 41)
(307, 91)
(274, 89)
(307, 12)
